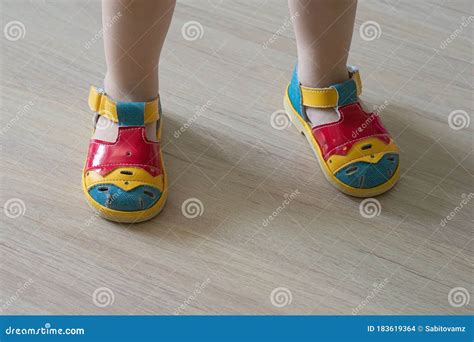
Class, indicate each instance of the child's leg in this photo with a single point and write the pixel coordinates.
(133, 46)
(323, 30)
(126, 181)
(356, 153)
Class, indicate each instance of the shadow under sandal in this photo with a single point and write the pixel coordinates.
(356, 153)
(125, 180)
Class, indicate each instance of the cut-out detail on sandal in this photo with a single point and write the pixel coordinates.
(125, 172)
(103, 188)
(366, 147)
(351, 170)
(149, 193)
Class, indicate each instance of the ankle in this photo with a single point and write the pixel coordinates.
(136, 89)
(316, 76)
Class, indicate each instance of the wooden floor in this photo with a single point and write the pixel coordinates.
(319, 254)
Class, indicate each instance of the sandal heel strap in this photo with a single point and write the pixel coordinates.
(339, 94)
(123, 113)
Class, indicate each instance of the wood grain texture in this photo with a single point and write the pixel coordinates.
(228, 260)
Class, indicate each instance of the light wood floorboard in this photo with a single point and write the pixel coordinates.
(319, 248)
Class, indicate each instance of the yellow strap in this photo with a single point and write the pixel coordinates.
(327, 97)
(152, 111)
(319, 97)
(100, 103)
(355, 75)
(105, 106)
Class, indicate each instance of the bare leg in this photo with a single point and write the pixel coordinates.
(133, 46)
(323, 30)
(133, 43)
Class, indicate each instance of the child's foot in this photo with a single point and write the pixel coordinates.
(355, 151)
(321, 116)
(124, 177)
(107, 130)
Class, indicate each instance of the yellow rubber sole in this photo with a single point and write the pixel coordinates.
(305, 129)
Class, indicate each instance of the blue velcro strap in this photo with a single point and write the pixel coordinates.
(131, 113)
(347, 92)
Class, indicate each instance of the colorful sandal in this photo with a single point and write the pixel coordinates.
(125, 181)
(356, 153)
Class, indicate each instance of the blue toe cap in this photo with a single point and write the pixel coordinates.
(364, 175)
(113, 197)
